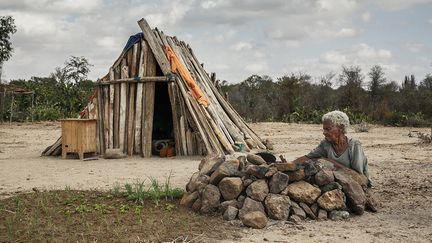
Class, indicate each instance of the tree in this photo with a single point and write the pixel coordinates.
(77, 68)
(351, 91)
(376, 75)
(7, 28)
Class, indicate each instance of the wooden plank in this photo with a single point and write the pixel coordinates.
(136, 80)
(99, 128)
(123, 106)
(149, 105)
(116, 118)
(175, 117)
(106, 117)
(131, 108)
(138, 101)
(157, 50)
(111, 111)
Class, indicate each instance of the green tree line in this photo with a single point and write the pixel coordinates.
(61, 95)
(365, 98)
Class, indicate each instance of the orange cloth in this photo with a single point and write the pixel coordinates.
(177, 66)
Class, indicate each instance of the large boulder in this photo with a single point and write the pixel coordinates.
(250, 205)
(258, 190)
(302, 191)
(210, 199)
(297, 175)
(210, 163)
(230, 213)
(227, 168)
(255, 159)
(356, 197)
(332, 200)
(258, 171)
(278, 182)
(324, 177)
(197, 182)
(230, 187)
(277, 206)
(255, 219)
(284, 167)
(189, 198)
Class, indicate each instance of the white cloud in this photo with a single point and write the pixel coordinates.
(366, 16)
(241, 46)
(346, 32)
(414, 47)
(367, 53)
(334, 57)
(257, 68)
(396, 5)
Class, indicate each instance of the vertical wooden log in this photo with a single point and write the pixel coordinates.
(131, 108)
(149, 105)
(138, 102)
(106, 116)
(173, 100)
(111, 111)
(116, 122)
(99, 127)
(123, 106)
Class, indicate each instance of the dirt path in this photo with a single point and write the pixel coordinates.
(399, 165)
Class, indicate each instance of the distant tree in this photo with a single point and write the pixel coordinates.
(77, 68)
(377, 80)
(7, 28)
(351, 92)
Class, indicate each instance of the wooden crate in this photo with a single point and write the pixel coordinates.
(78, 136)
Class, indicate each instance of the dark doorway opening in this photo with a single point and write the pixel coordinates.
(162, 133)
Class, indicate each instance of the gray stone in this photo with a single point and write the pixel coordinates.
(332, 200)
(338, 215)
(307, 210)
(354, 175)
(297, 175)
(284, 167)
(226, 169)
(302, 191)
(197, 182)
(331, 186)
(114, 154)
(189, 198)
(230, 213)
(278, 182)
(298, 211)
(277, 206)
(314, 207)
(250, 205)
(323, 163)
(258, 171)
(371, 203)
(310, 168)
(324, 177)
(196, 206)
(356, 198)
(210, 199)
(295, 219)
(243, 162)
(258, 190)
(247, 182)
(210, 163)
(272, 170)
(225, 204)
(322, 214)
(255, 219)
(255, 159)
(240, 201)
(230, 187)
(269, 145)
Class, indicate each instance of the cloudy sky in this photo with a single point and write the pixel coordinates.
(234, 38)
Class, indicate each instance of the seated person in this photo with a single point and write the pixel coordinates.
(337, 147)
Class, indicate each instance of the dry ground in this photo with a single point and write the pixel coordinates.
(400, 166)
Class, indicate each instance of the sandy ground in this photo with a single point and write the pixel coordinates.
(400, 166)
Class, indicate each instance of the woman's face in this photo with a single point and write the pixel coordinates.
(331, 132)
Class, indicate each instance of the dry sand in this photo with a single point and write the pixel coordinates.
(400, 166)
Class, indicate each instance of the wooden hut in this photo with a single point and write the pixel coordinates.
(157, 90)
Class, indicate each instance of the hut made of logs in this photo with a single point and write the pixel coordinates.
(158, 92)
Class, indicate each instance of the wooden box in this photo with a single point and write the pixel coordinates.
(78, 136)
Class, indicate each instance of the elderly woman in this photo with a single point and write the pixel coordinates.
(337, 147)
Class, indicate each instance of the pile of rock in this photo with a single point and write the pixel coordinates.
(247, 187)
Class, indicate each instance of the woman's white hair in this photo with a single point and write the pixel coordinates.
(337, 118)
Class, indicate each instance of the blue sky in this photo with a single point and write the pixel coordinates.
(234, 38)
